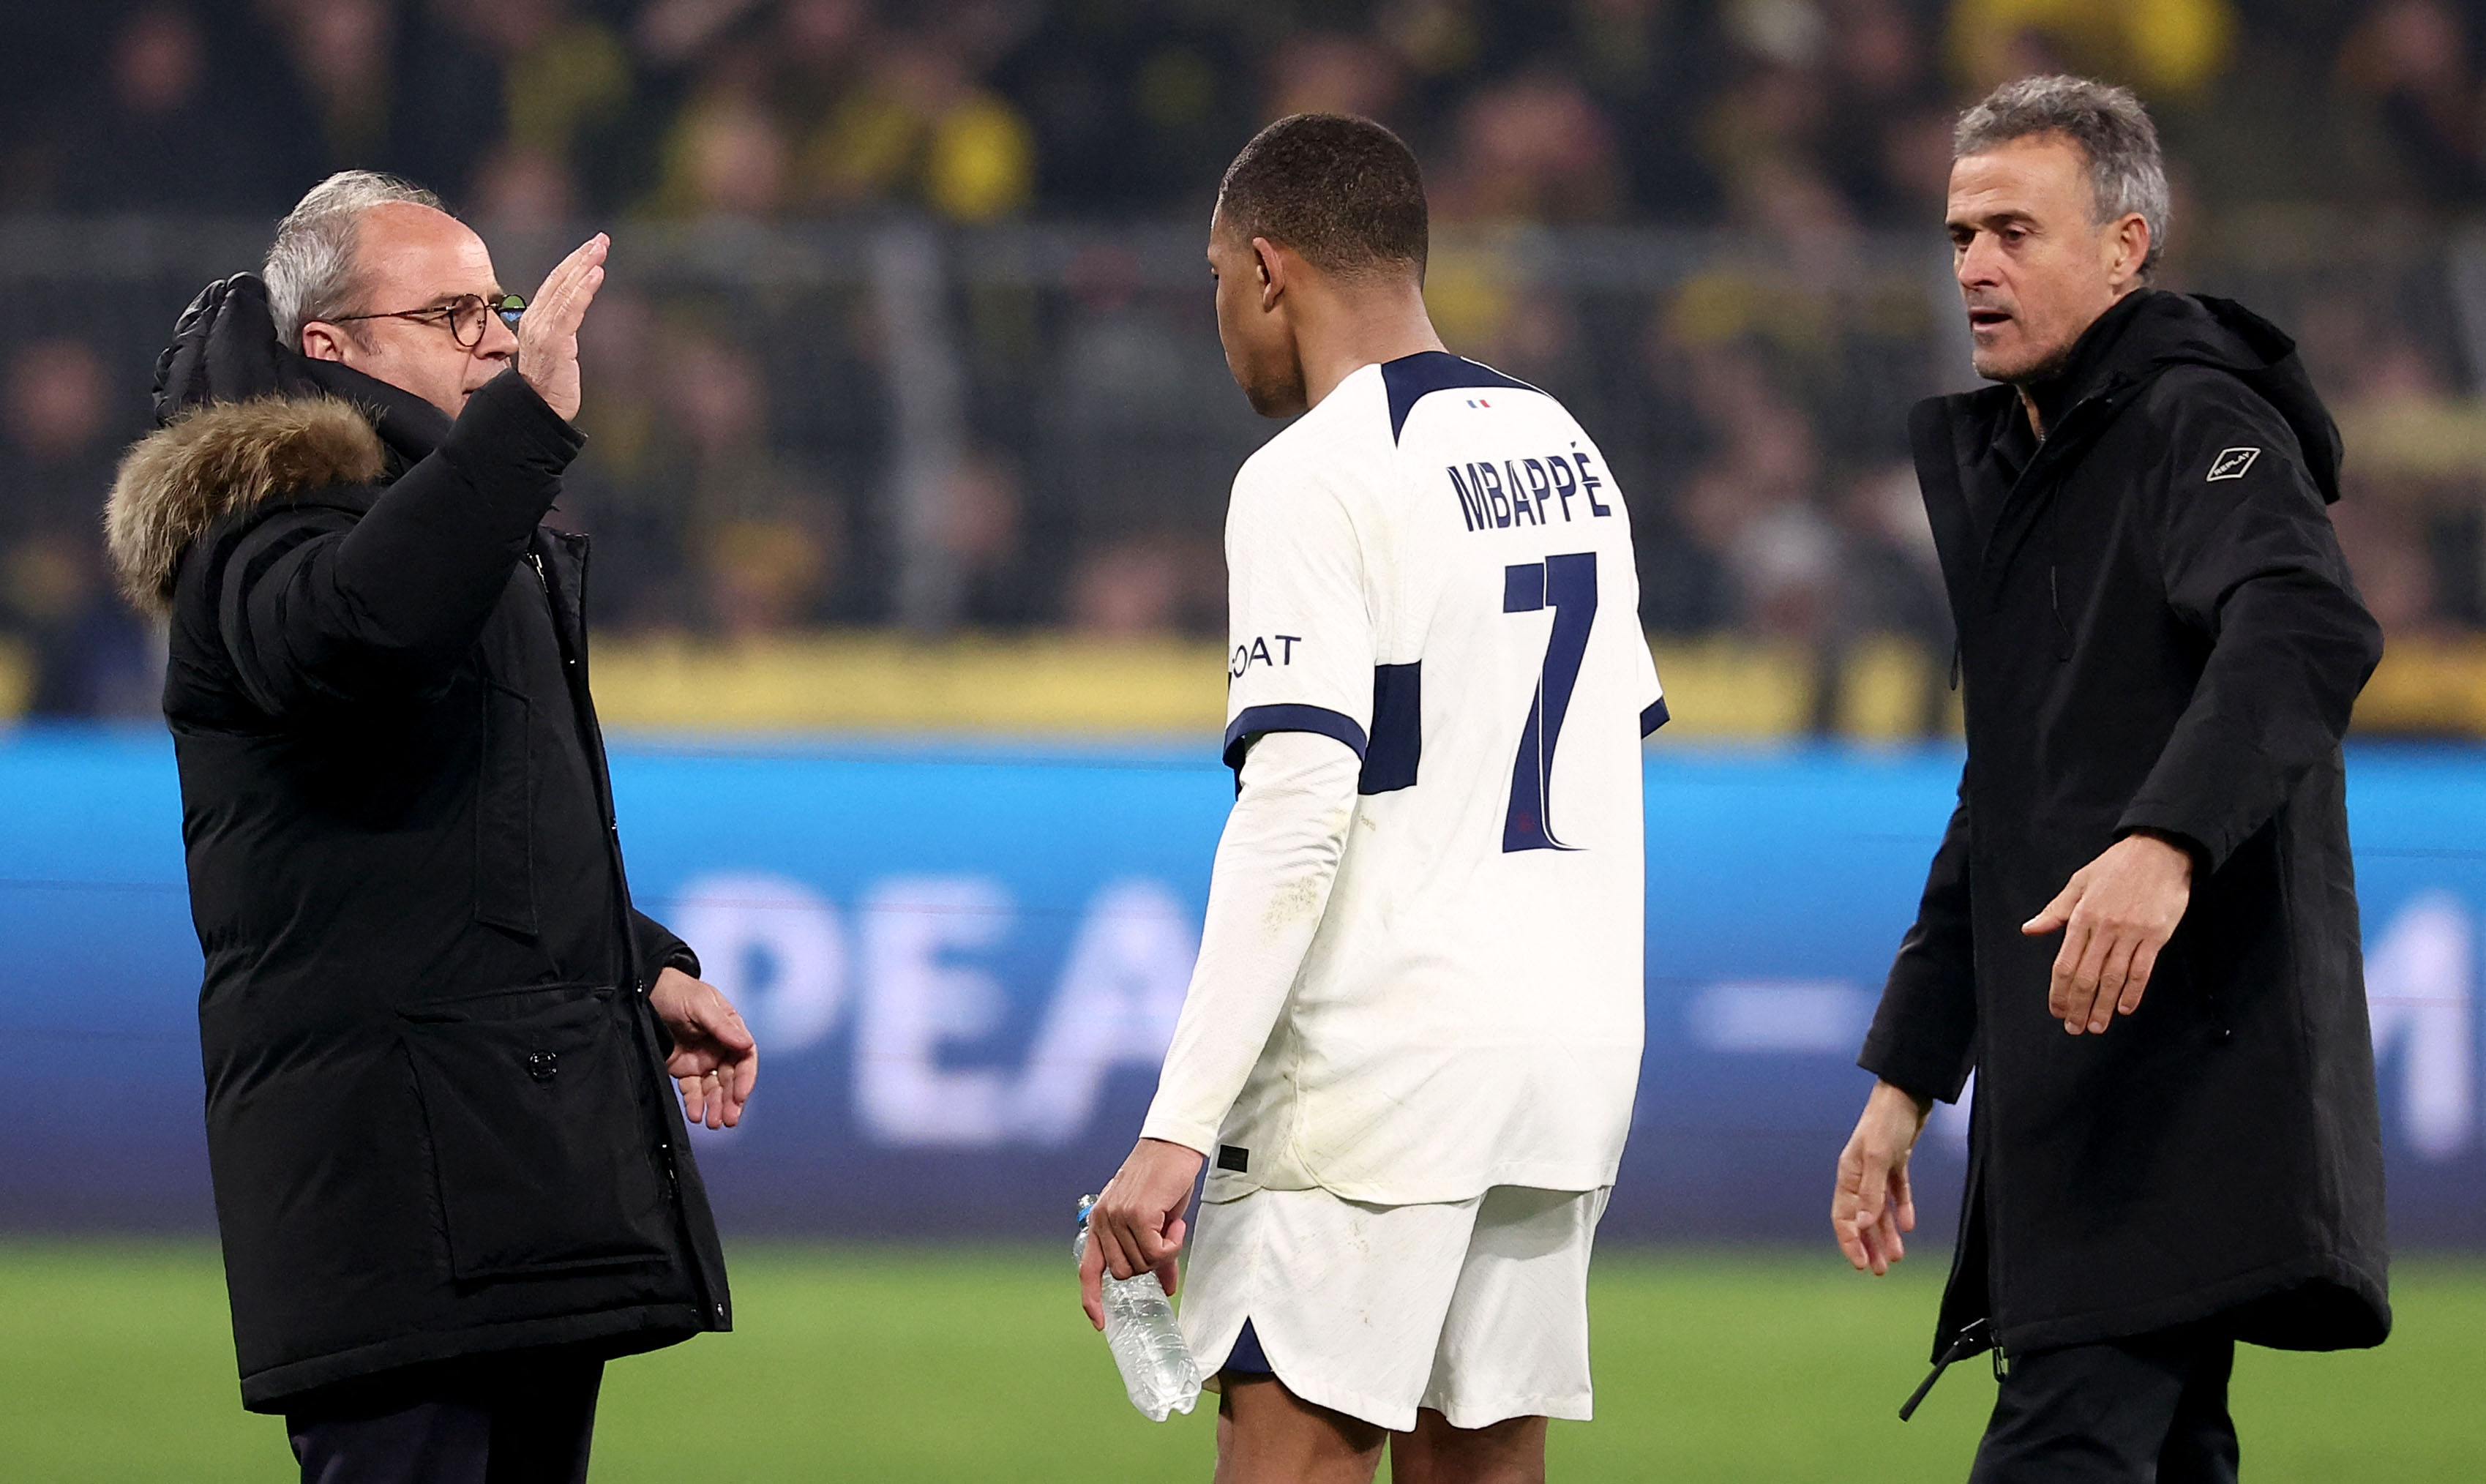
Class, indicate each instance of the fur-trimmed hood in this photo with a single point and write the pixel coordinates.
(221, 457)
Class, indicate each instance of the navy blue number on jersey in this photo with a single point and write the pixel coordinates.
(1567, 584)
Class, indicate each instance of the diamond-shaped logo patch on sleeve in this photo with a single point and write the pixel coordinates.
(2231, 463)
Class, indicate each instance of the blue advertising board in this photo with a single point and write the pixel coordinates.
(964, 961)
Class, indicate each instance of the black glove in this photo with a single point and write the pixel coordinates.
(225, 350)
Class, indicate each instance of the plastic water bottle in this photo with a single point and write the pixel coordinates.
(1156, 1366)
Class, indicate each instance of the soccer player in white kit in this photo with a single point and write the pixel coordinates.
(1410, 1047)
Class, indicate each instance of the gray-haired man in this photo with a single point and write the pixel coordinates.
(451, 1175)
(2140, 930)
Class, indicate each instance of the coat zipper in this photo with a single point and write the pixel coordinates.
(583, 703)
(2066, 642)
(569, 661)
(1960, 1346)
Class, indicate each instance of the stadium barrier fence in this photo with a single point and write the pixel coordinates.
(808, 438)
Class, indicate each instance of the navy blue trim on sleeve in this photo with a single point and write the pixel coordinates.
(1255, 719)
(1654, 717)
(1411, 378)
(1397, 729)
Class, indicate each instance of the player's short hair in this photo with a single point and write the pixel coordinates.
(311, 271)
(2126, 173)
(1344, 192)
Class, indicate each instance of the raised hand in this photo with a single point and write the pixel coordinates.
(715, 1060)
(2116, 914)
(548, 331)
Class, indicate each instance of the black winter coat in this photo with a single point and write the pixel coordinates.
(2157, 632)
(438, 1119)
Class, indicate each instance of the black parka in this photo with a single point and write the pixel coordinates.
(438, 1120)
(2157, 631)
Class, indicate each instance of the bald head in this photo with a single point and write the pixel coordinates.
(311, 265)
(408, 256)
(399, 259)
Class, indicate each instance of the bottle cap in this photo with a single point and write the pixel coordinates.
(1086, 1203)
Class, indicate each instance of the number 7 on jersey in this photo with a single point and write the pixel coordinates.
(1567, 584)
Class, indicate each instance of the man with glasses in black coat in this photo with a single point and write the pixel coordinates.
(451, 1176)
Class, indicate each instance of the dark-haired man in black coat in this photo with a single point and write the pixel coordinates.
(2140, 930)
(451, 1178)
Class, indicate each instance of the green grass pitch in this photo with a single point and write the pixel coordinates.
(858, 1364)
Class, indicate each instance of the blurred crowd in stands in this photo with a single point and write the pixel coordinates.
(2326, 155)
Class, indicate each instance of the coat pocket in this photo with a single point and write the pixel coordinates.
(505, 873)
(539, 1144)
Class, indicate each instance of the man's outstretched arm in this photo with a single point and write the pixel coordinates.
(2252, 566)
(314, 608)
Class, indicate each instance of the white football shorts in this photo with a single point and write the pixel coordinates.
(1478, 1308)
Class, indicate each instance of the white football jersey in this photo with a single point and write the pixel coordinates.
(1434, 567)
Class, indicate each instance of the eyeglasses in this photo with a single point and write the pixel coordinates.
(463, 316)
